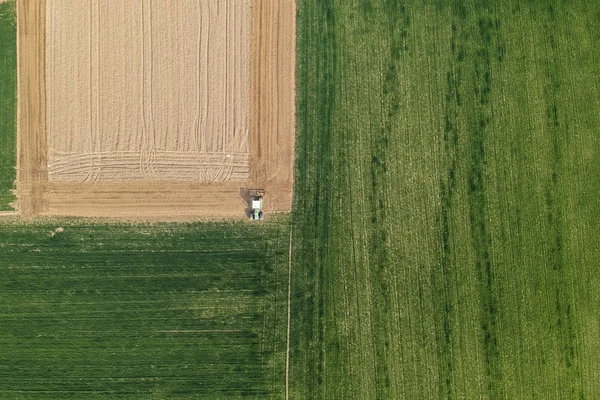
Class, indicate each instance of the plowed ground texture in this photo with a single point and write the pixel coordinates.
(8, 103)
(447, 218)
(171, 311)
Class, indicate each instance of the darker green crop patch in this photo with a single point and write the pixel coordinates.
(142, 311)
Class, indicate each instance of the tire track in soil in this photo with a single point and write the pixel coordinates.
(143, 98)
(196, 139)
(88, 176)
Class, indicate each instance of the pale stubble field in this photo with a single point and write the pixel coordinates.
(149, 108)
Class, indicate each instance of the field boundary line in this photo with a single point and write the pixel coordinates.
(289, 319)
(31, 111)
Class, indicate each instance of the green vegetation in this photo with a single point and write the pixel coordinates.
(447, 218)
(446, 230)
(8, 103)
(163, 311)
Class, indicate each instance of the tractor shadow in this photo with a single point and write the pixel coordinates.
(245, 194)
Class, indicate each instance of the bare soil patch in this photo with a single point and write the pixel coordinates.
(273, 94)
(31, 119)
(146, 200)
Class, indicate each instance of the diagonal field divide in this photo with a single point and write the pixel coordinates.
(272, 134)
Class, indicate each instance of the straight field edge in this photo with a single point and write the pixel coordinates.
(257, 158)
(273, 100)
(32, 175)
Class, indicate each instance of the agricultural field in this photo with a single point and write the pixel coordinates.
(149, 311)
(8, 103)
(157, 91)
(125, 307)
(131, 111)
(447, 218)
(193, 98)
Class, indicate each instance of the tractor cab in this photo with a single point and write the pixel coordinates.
(256, 204)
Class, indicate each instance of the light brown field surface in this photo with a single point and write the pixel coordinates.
(146, 200)
(161, 109)
(31, 118)
(148, 90)
(273, 94)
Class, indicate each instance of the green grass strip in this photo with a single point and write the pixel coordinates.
(8, 103)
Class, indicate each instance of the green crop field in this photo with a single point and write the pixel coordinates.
(8, 103)
(446, 230)
(169, 311)
(447, 212)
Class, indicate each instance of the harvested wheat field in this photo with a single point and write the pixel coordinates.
(148, 94)
(155, 91)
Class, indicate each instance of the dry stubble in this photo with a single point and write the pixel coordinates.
(148, 90)
(114, 121)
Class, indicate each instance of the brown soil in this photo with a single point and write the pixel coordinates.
(141, 111)
(31, 119)
(273, 94)
(146, 200)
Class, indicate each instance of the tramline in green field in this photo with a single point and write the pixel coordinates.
(446, 214)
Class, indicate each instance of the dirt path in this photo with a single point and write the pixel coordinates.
(289, 322)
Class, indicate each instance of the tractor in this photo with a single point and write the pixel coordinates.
(256, 204)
